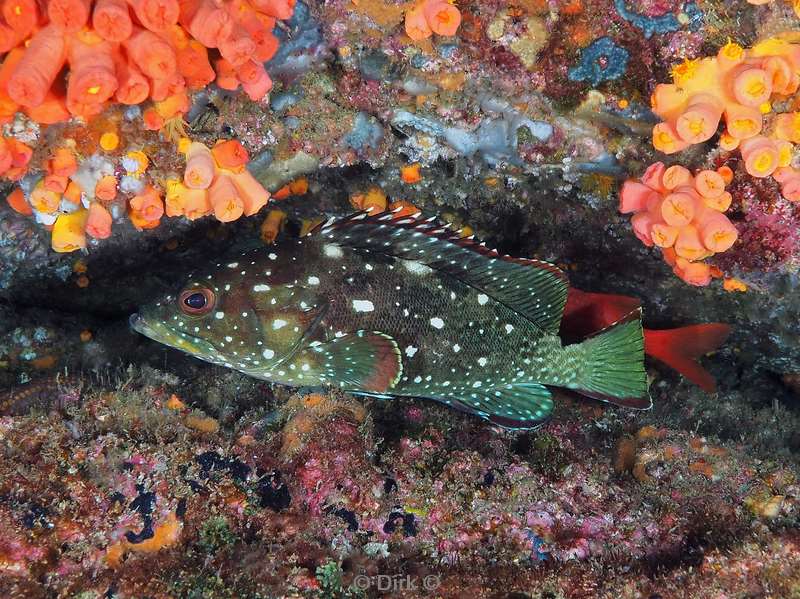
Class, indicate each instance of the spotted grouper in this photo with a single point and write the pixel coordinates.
(396, 306)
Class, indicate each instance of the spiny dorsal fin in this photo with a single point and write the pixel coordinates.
(535, 289)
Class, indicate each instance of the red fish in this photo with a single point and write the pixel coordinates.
(678, 348)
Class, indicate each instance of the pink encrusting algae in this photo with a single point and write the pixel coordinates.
(82, 59)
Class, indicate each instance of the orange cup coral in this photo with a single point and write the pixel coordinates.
(681, 214)
(432, 16)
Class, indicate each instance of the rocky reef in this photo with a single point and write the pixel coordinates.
(132, 470)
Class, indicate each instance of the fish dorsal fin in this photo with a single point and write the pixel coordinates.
(516, 406)
(535, 289)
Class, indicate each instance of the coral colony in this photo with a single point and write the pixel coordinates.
(369, 401)
(115, 61)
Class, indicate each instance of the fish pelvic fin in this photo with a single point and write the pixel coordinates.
(612, 365)
(681, 348)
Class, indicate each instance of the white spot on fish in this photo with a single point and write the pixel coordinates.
(437, 323)
(260, 288)
(332, 250)
(233, 265)
(482, 299)
(272, 256)
(228, 338)
(278, 324)
(456, 348)
(411, 350)
(482, 361)
(313, 280)
(417, 379)
(219, 315)
(417, 268)
(268, 354)
(363, 306)
(509, 328)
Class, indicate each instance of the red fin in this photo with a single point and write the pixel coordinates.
(680, 348)
(587, 312)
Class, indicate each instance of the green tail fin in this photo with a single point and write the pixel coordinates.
(613, 369)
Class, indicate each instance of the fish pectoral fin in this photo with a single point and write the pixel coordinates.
(367, 361)
(522, 406)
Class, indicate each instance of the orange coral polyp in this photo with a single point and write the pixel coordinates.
(689, 245)
(152, 54)
(156, 15)
(225, 199)
(678, 209)
(69, 232)
(200, 167)
(112, 20)
(93, 76)
(633, 197)
(196, 204)
(416, 25)
(68, 15)
(663, 235)
(676, 176)
(254, 196)
(21, 16)
(98, 222)
(16, 199)
(37, 69)
(210, 24)
(230, 154)
(760, 156)
(752, 87)
(148, 205)
(443, 18)
(666, 139)
(743, 122)
(106, 188)
(709, 184)
(699, 122)
(718, 233)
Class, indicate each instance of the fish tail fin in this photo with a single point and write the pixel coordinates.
(681, 348)
(612, 364)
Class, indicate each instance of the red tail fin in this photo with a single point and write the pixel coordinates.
(680, 349)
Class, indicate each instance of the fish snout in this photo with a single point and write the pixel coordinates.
(136, 322)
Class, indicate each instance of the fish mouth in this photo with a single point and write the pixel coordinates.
(138, 324)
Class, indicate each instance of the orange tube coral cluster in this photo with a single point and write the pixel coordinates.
(14, 158)
(215, 181)
(683, 215)
(124, 51)
(737, 87)
(432, 16)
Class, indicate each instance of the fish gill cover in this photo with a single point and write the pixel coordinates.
(293, 192)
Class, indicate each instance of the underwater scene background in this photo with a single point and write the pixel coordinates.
(647, 149)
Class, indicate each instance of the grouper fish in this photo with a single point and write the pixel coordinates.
(398, 306)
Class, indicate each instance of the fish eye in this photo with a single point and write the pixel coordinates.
(196, 302)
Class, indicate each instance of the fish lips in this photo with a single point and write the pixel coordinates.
(139, 325)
